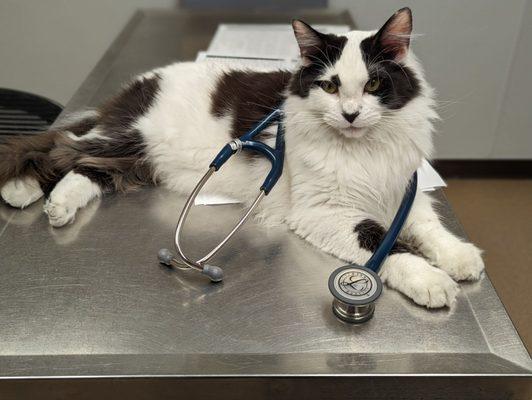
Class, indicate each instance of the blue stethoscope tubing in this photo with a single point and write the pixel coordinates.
(276, 157)
(246, 142)
(387, 243)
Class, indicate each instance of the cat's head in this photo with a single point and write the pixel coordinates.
(356, 82)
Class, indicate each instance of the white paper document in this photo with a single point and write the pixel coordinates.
(428, 178)
(265, 46)
(272, 41)
(209, 199)
(243, 62)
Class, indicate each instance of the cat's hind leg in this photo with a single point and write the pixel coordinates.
(21, 192)
(70, 194)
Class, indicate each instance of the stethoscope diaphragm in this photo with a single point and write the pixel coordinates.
(355, 289)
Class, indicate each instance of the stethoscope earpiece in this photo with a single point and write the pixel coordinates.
(355, 290)
(166, 257)
(215, 274)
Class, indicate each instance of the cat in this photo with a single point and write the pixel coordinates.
(358, 116)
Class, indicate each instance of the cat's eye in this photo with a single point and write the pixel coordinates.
(329, 87)
(372, 85)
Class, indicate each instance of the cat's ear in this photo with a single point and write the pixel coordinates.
(394, 37)
(309, 40)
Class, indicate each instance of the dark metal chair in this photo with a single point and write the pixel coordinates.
(23, 113)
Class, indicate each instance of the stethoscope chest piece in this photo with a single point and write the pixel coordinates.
(355, 290)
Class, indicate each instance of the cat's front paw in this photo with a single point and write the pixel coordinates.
(416, 278)
(462, 261)
(58, 214)
(432, 289)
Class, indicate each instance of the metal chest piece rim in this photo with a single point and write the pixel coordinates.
(355, 289)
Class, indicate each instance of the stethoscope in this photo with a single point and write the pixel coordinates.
(244, 142)
(355, 288)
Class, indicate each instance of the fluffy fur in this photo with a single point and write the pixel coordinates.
(350, 150)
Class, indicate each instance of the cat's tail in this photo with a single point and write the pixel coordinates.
(28, 156)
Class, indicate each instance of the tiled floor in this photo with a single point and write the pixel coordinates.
(497, 216)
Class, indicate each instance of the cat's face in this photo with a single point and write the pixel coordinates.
(358, 81)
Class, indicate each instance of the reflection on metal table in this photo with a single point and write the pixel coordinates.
(87, 309)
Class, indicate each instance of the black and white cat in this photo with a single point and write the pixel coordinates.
(357, 115)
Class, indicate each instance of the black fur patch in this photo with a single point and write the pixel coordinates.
(103, 179)
(119, 113)
(248, 97)
(399, 83)
(370, 235)
(336, 80)
(327, 54)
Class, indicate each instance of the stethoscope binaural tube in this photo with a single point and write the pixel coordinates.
(356, 288)
(274, 155)
(214, 273)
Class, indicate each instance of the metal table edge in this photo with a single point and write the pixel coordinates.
(514, 351)
(256, 364)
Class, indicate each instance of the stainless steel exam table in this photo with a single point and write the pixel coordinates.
(87, 312)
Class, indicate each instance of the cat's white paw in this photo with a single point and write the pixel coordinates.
(432, 289)
(462, 261)
(21, 192)
(59, 214)
(416, 278)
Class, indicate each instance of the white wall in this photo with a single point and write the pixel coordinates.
(467, 48)
(476, 53)
(49, 46)
(514, 130)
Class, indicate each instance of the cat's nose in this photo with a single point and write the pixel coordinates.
(350, 117)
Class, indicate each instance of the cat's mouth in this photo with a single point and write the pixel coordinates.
(353, 132)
